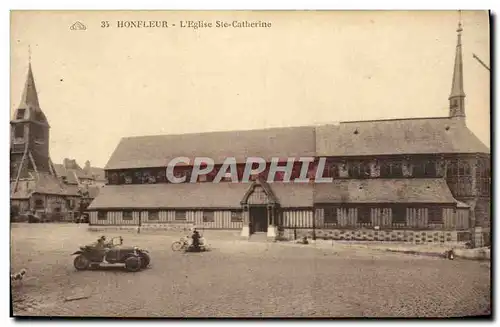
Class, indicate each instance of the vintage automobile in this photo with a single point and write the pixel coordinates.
(111, 253)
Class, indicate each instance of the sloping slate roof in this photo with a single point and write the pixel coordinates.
(157, 151)
(202, 195)
(411, 190)
(293, 194)
(71, 190)
(98, 173)
(68, 174)
(23, 190)
(43, 183)
(60, 170)
(378, 137)
(49, 184)
(93, 191)
(397, 136)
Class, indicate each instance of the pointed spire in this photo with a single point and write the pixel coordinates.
(30, 95)
(457, 95)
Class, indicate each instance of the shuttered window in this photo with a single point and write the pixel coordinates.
(330, 215)
(180, 215)
(127, 215)
(102, 215)
(236, 216)
(435, 215)
(153, 215)
(208, 216)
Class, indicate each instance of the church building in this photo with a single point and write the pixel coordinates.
(420, 180)
(37, 185)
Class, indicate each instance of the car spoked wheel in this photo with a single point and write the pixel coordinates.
(177, 246)
(81, 262)
(133, 264)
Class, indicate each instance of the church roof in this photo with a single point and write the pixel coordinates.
(157, 151)
(359, 138)
(29, 97)
(29, 106)
(396, 137)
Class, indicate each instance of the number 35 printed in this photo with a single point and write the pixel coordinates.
(104, 24)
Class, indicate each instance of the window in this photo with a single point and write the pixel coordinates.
(19, 132)
(102, 215)
(236, 216)
(20, 113)
(38, 203)
(208, 216)
(153, 215)
(180, 215)
(364, 216)
(359, 169)
(127, 215)
(399, 215)
(125, 178)
(330, 215)
(463, 168)
(331, 170)
(430, 168)
(70, 203)
(424, 168)
(391, 169)
(451, 168)
(435, 215)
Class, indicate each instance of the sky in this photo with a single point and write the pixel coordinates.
(309, 68)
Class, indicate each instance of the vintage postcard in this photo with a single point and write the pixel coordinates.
(317, 164)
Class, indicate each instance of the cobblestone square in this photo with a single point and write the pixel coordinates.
(240, 279)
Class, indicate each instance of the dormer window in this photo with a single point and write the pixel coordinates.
(20, 113)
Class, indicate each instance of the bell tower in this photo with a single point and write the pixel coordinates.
(29, 136)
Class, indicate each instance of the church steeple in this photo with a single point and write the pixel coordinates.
(457, 95)
(30, 95)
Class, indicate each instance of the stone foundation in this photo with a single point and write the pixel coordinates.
(410, 236)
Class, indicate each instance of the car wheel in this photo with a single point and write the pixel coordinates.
(177, 246)
(81, 262)
(133, 264)
(145, 260)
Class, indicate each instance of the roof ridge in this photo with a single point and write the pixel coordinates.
(223, 131)
(392, 119)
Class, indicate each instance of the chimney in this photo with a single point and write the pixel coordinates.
(87, 166)
(66, 163)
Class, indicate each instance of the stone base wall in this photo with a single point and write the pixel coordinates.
(410, 236)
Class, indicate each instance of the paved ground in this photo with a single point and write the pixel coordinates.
(241, 279)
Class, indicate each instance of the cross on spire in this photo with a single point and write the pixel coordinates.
(457, 95)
